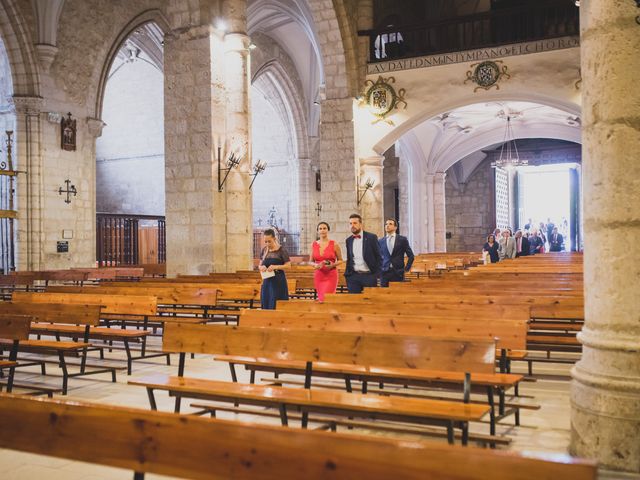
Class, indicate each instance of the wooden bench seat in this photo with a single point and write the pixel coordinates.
(77, 321)
(311, 400)
(333, 347)
(203, 448)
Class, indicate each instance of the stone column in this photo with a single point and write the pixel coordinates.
(192, 62)
(436, 219)
(306, 209)
(605, 391)
(337, 166)
(238, 206)
(372, 203)
(30, 191)
(439, 212)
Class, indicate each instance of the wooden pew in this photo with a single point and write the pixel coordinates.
(202, 448)
(114, 307)
(75, 321)
(507, 334)
(333, 347)
(14, 329)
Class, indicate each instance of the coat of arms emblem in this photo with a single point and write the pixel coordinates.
(382, 98)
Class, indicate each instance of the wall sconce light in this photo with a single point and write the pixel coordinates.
(362, 190)
(258, 168)
(318, 208)
(232, 162)
(69, 190)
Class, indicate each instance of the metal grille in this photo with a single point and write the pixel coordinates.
(8, 213)
(502, 198)
(125, 239)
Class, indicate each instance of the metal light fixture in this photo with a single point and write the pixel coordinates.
(509, 156)
(232, 162)
(362, 190)
(69, 190)
(258, 168)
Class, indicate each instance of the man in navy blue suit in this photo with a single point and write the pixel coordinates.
(394, 247)
(364, 260)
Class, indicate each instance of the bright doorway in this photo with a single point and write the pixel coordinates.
(550, 193)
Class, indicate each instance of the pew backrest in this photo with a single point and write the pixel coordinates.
(352, 348)
(202, 448)
(14, 327)
(75, 314)
(111, 304)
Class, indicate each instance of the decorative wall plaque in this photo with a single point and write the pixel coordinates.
(68, 131)
(382, 98)
(487, 74)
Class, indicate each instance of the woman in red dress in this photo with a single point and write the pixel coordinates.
(326, 256)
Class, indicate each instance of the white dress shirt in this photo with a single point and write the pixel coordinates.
(391, 241)
(359, 265)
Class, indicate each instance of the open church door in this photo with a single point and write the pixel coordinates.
(574, 210)
(502, 198)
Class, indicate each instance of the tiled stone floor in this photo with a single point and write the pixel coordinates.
(544, 430)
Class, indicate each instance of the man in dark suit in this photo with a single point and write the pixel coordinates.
(522, 244)
(393, 248)
(556, 241)
(364, 260)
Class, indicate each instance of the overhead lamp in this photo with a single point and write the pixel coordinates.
(509, 156)
(252, 46)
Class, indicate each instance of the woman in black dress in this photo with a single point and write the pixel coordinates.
(274, 259)
(491, 246)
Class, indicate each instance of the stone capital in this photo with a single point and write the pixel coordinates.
(28, 105)
(95, 126)
(46, 55)
(373, 161)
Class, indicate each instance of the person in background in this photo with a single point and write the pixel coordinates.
(543, 237)
(326, 256)
(529, 225)
(522, 244)
(536, 245)
(364, 260)
(274, 258)
(550, 227)
(393, 248)
(556, 241)
(491, 247)
(507, 245)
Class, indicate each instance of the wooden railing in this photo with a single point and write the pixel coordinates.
(543, 20)
(130, 239)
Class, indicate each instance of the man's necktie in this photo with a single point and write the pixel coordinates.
(356, 236)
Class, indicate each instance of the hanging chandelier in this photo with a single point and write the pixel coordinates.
(509, 157)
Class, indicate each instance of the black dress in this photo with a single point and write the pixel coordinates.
(274, 288)
(493, 251)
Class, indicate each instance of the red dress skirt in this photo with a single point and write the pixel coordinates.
(325, 279)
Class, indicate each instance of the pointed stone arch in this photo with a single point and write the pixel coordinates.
(148, 16)
(20, 51)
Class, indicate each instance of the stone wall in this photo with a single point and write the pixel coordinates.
(470, 210)
(277, 186)
(130, 152)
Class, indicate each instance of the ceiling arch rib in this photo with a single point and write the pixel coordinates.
(290, 23)
(569, 109)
